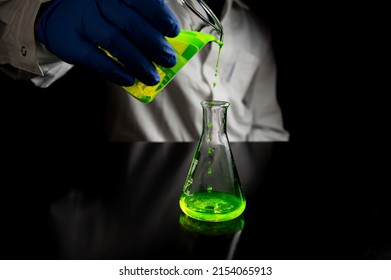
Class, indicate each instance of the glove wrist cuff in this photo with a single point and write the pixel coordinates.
(44, 12)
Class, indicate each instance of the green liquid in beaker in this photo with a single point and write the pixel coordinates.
(186, 45)
(212, 206)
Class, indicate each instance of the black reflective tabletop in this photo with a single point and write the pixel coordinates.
(121, 201)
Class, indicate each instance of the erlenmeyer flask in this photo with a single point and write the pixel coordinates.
(212, 190)
(199, 26)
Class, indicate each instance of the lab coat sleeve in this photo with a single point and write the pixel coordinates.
(263, 103)
(21, 56)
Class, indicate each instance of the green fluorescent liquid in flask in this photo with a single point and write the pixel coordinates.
(212, 190)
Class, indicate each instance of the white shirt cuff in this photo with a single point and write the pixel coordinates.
(51, 67)
(52, 72)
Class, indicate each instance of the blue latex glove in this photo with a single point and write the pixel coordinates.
(133, 31)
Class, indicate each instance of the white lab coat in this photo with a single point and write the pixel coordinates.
(246, 79)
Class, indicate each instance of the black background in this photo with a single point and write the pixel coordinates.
(332, 87)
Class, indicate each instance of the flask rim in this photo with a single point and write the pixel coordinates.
(215, 103)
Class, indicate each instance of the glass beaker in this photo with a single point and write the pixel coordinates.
(199, 26)
(212, 190)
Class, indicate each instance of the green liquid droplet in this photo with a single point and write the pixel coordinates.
(217, 64)
(209, 189)
(210, 150)
(210, 170)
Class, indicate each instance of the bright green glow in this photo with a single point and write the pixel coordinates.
(186, 45)
(212, 207)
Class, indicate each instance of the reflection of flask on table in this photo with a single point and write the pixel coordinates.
(198, 237)
(212, 191)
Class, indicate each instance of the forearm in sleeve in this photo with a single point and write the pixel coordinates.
(21, 56)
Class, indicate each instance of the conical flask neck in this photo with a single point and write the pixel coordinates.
(214, 120)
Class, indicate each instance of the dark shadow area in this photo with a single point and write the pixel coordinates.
(71, 109)
(121, 201)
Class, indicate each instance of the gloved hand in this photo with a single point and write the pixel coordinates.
(131, 30)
